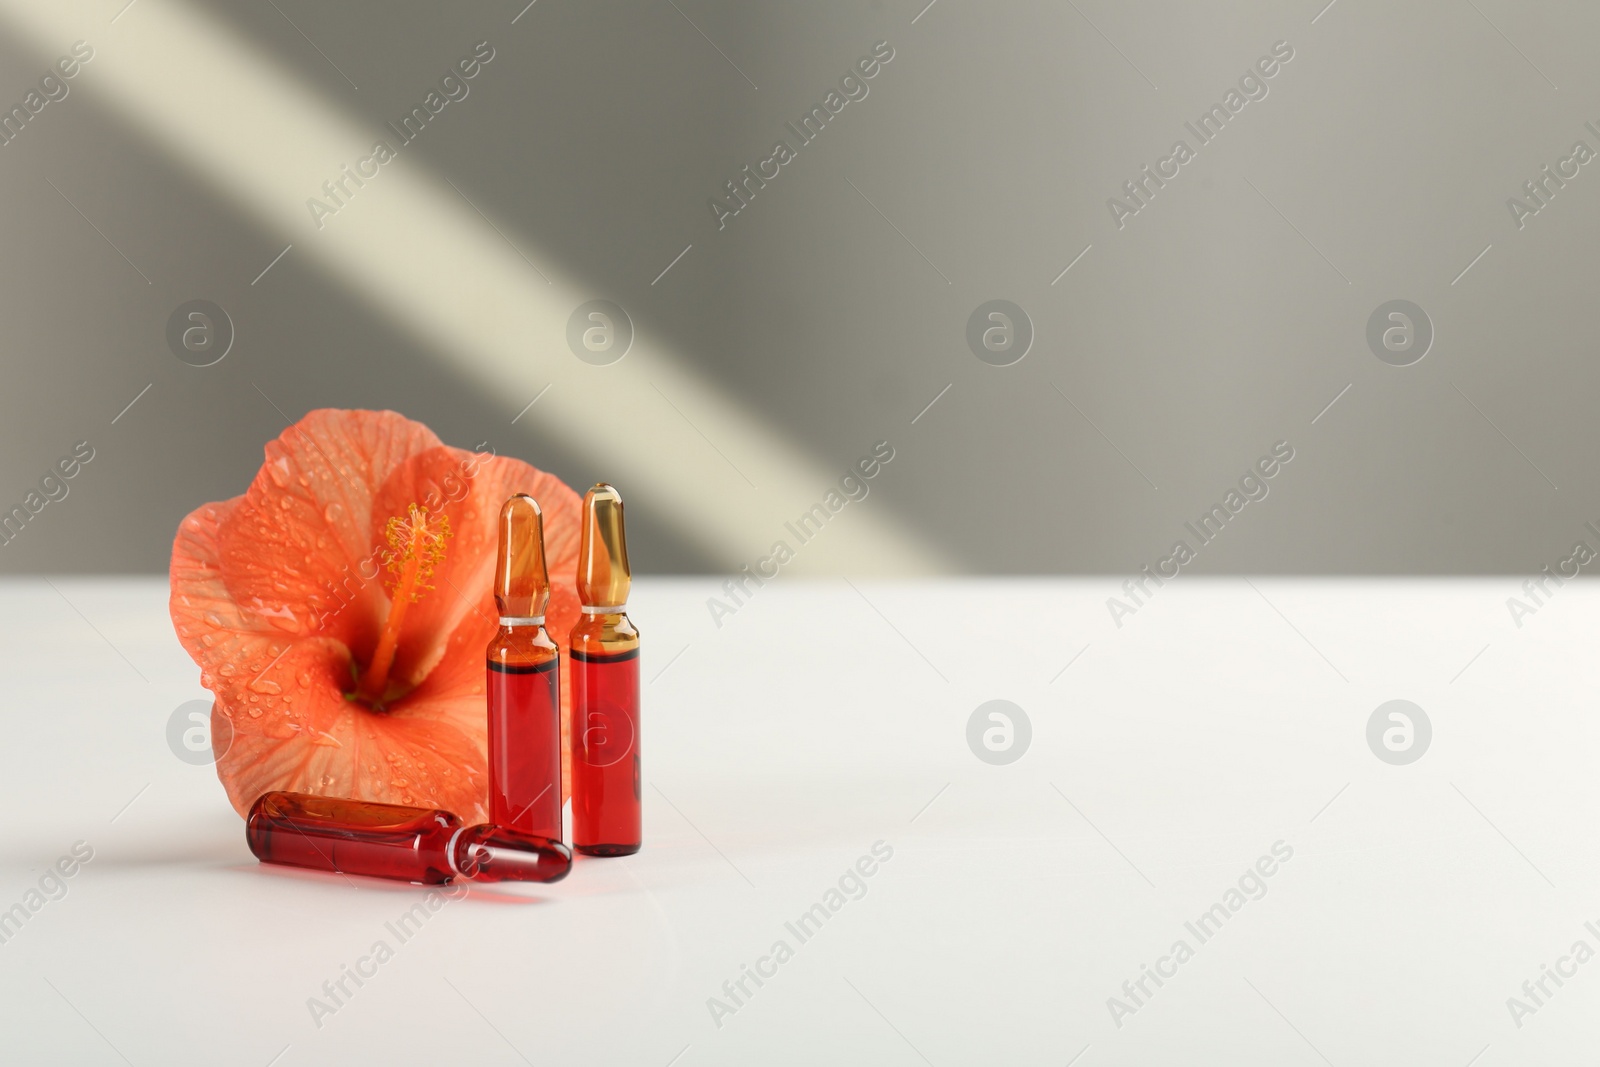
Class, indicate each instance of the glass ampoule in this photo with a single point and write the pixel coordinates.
(523, 682)
(604, 655)
(394, 841)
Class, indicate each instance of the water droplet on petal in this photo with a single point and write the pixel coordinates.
(256, 712)
(332, 512)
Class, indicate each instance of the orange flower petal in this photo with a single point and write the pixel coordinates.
(470, 488)
(277, 592)
(289, 553)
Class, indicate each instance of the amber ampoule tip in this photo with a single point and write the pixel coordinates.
(604, 577)
(521, 583)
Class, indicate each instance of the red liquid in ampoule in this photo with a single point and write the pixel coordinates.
(525, 747)
(605, 740)
(352, 837)
(393, 841)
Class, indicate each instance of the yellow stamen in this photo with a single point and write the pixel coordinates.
(416, 545)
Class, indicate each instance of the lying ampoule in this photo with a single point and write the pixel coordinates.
(604, 652)
(523, 682)
(393, 841)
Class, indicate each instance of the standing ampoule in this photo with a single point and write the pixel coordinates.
(394, 841)
(523, 681)
(606, 818)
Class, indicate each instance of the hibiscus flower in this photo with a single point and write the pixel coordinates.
(340, 608)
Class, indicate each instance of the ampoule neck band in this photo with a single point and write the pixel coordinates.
(450, 850)
(604, 609)
(522, 620)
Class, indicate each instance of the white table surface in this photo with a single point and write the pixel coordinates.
(1174, 752)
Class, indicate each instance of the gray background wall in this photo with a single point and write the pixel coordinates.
(1221, 319)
